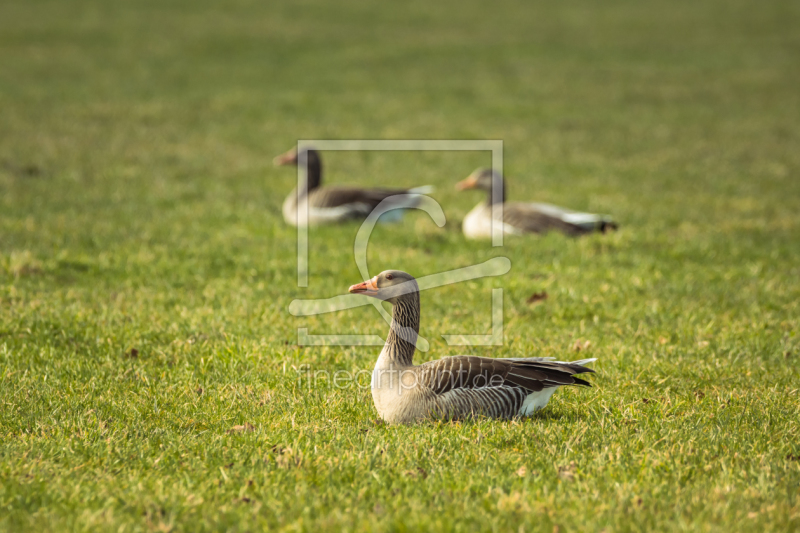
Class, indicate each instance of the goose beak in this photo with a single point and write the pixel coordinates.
(368, 287)
(289, 158)
(468, 183)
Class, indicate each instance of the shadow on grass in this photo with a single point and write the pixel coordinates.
(547, 415)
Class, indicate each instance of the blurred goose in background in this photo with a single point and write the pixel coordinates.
(520, 218)
(328, 205)
(454, 387)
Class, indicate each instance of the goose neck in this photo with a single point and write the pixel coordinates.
(496, 194)
(401, 342)
(313, 172)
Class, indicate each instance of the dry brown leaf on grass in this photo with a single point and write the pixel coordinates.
(578, 346)
(537, 297)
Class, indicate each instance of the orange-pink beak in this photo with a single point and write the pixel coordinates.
(289, 158)
(367, 287)
(468, 183)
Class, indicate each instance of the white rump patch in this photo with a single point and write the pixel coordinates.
(536, 401)
(585, 220)
(327, 215)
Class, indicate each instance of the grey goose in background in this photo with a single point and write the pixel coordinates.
(520, 218)
(328, 205)
(454, 387)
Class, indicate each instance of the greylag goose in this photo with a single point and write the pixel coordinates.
(454, 387)
(327, 205)
(520, 218)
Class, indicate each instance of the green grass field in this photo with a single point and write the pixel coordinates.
(146, 272)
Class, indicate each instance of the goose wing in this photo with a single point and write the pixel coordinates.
(470, 372)
(531, 218)
(323, 197)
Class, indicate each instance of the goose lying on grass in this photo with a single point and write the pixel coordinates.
(328, 205)
(454, 387)
(519, 218)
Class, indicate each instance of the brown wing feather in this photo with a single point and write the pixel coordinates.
(336, 196)
(471, 372)
(462, 371)
(554, 373)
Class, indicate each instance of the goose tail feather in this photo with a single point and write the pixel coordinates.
(425, 189)
(583, 362)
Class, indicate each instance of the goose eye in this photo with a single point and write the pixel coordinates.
(389, 277)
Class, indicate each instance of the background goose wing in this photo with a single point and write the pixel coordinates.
(529, 218)
(337, 196)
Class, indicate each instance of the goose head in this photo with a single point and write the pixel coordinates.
(390, 285)
(488, 180)
(307, 157)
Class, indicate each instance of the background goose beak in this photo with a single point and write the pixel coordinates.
(468, 183)
(367, 287)
(289, 158)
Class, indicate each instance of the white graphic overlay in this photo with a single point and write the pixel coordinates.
(497, 266)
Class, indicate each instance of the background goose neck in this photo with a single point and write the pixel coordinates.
(491, 197)
(313, 169)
